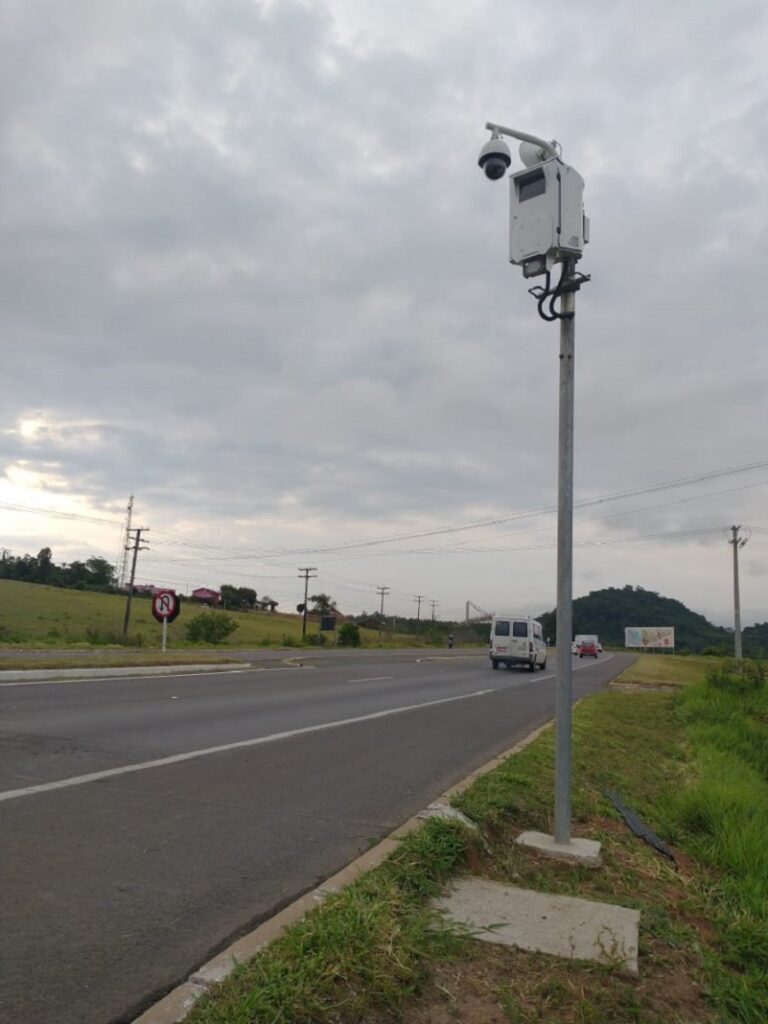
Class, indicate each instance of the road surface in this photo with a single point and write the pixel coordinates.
(147, 822)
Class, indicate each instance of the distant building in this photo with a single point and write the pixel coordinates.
(207, 596)
(266, 604)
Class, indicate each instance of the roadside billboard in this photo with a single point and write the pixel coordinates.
(649, 636)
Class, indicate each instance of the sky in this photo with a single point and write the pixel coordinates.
(252, 275)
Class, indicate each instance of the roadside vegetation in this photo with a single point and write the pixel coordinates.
(669, 669)
(693, 762)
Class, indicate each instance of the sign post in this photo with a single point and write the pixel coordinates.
(166, 605)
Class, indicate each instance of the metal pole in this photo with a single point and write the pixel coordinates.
(564, 574)
(736, 599)
(165, 634)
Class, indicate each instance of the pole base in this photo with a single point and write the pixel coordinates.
(577, 851)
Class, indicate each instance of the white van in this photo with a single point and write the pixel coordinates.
(517, 640)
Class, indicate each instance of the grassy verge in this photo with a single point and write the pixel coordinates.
(668, 669)
(694, 763)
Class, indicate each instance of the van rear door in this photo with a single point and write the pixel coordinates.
(500, 640)
(519, 646)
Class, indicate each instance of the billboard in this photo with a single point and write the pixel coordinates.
(649, 636)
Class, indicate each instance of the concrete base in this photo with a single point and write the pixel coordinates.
(538, 922)
(579, 851)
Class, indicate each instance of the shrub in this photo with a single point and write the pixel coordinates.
(349, 635)
(210, 628)
(314, 639)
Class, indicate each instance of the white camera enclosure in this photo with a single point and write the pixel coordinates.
(547, 222)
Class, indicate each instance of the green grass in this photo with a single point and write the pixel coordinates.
(366, 949)
(33, 614)
(722, 817)
(693, 763)
(668, 669)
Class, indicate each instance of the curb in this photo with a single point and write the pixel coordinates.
(41, 675)
(174, 1007)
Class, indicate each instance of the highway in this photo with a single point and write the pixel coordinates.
(147, 822)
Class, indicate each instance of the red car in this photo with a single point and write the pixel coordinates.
(589, 648)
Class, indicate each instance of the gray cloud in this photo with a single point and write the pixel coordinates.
(248, 242)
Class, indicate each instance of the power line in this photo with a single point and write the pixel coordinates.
(53, 513)
(513, 516)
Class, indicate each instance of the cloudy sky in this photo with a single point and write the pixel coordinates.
(252, 275)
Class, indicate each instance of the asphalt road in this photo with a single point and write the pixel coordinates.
(132, 851)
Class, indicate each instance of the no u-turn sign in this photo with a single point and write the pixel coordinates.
(166, 605)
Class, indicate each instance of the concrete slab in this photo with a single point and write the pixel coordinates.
(538, 922)
(581, 851)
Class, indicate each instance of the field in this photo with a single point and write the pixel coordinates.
(36, 615)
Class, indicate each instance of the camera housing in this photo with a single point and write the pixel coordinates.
(547, 221)
(495, 159)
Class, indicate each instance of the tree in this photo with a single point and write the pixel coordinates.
(45, 566)
(323, 604)
(237, 598)
(102, 572)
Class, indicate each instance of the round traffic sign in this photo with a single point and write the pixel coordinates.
(166, 605)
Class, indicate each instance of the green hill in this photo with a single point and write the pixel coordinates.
(607, 612)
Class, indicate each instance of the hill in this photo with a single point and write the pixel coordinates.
(607, 612)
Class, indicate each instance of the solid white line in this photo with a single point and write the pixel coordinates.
(80, 780)
(153, 675)
(369, 679)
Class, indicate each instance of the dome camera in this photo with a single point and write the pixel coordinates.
(495, 159)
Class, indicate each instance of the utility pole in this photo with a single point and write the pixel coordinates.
(736, 542)
(434, 605)
(125, 538)
(136, 547)
(310, 573)
(382, 591)
(419, 598)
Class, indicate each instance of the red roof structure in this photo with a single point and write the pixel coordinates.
(207, 596)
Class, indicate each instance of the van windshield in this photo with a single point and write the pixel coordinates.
(502, 629)
(519, 629)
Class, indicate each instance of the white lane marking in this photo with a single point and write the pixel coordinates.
(158, 675)
(80, 780)
(369, 679)
(532, 677)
